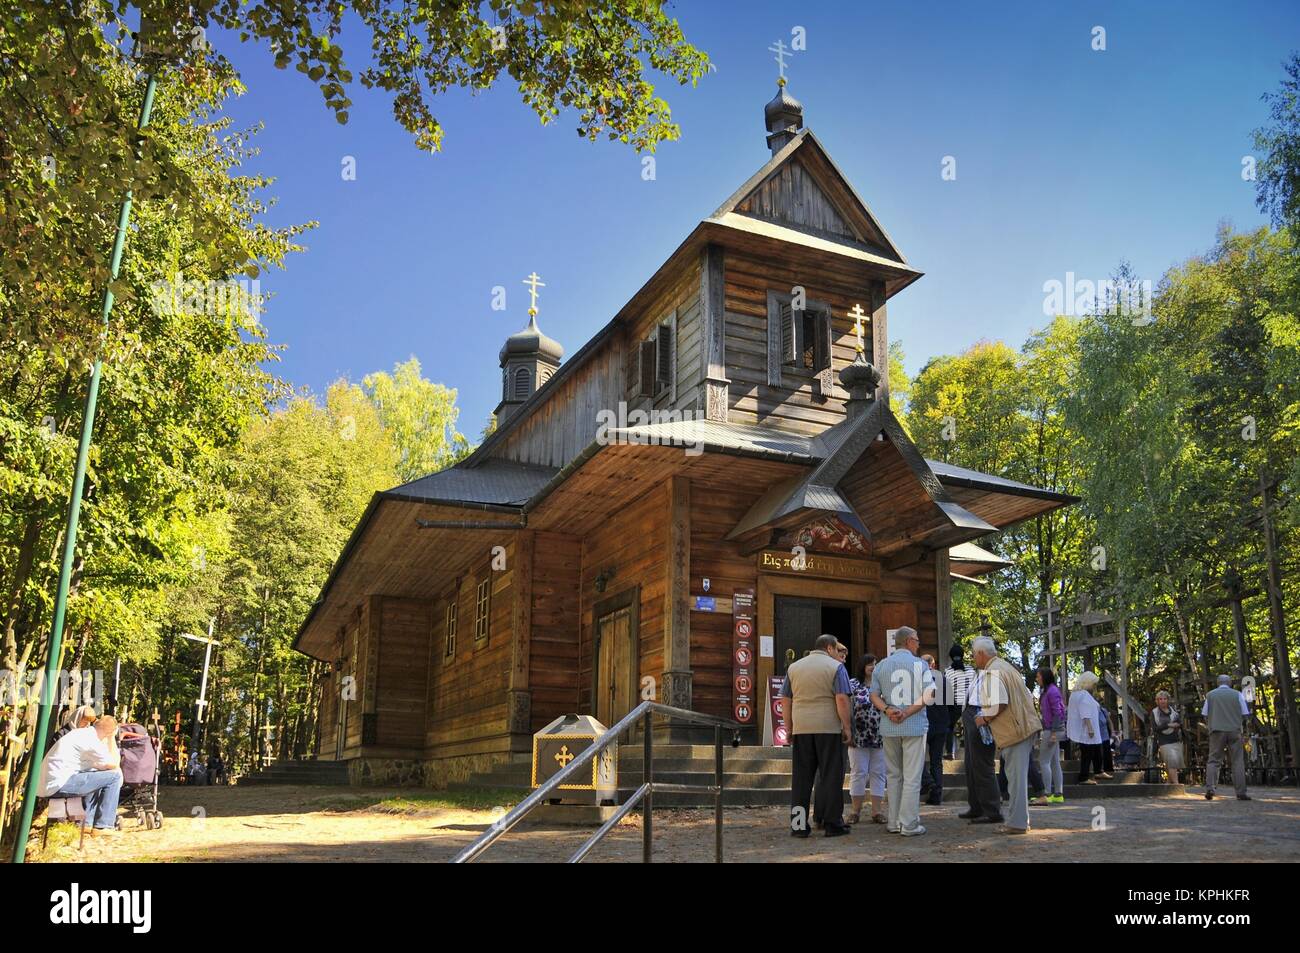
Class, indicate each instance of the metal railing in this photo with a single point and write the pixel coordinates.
(645, 793)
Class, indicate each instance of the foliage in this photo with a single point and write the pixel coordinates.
(560, 54)
(1278, 174)
(420, 418)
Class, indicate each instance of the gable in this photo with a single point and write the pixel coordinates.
(802, 189)
(791, 196)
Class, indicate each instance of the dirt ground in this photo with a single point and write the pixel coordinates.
(297, 824)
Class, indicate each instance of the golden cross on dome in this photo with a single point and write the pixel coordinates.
(858, 316)
(533, 282)
(780, 50)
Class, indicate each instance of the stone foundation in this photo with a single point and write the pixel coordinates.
(386, 772)
(408, 772)
(444, 771)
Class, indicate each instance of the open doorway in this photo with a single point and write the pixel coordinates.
(799, 621)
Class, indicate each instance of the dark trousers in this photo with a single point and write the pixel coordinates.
(934, 746)
(950, 741)
(981, 782)
(1089, 760)
(820, 757)
(1107, 757)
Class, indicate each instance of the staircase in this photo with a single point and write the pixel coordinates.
(755, 776)
(300, 772)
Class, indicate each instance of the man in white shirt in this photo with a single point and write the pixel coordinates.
(79, 765)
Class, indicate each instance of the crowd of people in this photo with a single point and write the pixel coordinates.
(897, 719)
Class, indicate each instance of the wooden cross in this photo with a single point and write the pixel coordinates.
(564, 756)
(780, 50)
(533, 282)
(858, 316)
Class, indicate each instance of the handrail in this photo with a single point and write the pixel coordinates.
(645, 792)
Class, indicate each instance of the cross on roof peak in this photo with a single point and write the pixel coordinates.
(780, 49)
(533, 282)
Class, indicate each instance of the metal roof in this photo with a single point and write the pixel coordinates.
(493, 482)
(961, 476)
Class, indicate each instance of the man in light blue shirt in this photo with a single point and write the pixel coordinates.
(901, 687)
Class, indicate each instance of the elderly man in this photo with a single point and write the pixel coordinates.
(1007, 709)
(901, 687)
(982, 792)
(80, 765)
(817, 713)
(1223, 711)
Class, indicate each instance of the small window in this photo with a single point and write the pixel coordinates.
(451, 628)
(523, 384)
(483, 608)
(800, 343)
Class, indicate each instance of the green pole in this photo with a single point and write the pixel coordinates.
(70, 530)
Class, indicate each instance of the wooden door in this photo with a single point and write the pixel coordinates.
(893, 615)
(798, 623)
(615, 667)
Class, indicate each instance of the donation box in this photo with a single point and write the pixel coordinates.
(560, 742)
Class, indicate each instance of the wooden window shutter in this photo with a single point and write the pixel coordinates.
(648, 375)
(824, 335)
(631, 369)
(664, 358)
(789, 335)
(523, 383)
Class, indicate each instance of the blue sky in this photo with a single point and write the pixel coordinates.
(1067, 159)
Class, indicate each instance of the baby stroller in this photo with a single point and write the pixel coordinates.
(140, 776)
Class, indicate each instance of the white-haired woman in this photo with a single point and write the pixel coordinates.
(1167, 724)
(1083, 725)
(77, 718)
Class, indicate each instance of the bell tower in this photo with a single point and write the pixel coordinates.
(528, 359)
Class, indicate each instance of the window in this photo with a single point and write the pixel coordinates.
(483, 609)
(451, 627)
(799, 344)
(523, 384)
(651, 365)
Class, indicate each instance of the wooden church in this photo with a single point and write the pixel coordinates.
(675, 511)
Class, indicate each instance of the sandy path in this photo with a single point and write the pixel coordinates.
(270, 823)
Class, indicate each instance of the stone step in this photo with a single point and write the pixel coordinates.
(300, 772)
(758, 797)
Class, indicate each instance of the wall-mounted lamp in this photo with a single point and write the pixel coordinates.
(603, 580)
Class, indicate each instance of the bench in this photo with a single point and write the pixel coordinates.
(68, 808)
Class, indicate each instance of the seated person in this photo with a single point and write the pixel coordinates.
(80, 765)
(77, 718)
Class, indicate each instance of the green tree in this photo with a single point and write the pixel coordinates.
(420, 418)
(305, 476)
(180, 383)
(1278, 172)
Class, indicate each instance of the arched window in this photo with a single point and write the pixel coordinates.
(523, 384)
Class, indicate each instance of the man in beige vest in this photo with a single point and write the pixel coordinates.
(817, 713)
(1007, 708)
